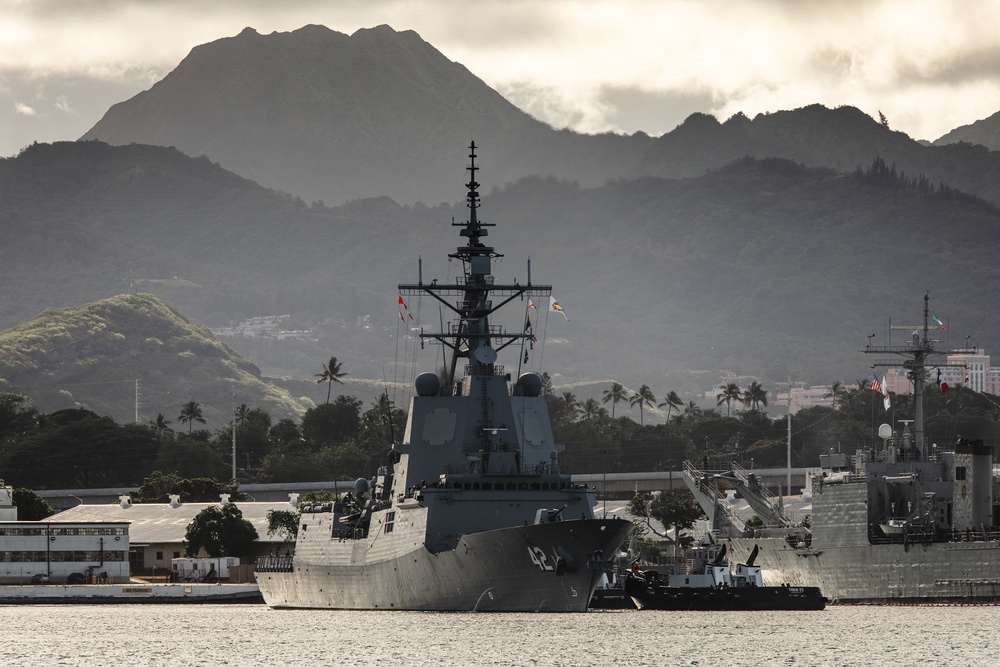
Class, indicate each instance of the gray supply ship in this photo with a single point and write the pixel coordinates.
(472, 511)
(899, 523)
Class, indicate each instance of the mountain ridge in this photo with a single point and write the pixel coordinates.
(763, 267)
(331, 117)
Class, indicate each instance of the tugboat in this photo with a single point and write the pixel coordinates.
(717, 588)
(472, 511)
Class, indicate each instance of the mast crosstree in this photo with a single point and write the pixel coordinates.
(471, 336)
(916, 353)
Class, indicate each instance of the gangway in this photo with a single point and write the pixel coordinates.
(704, 484)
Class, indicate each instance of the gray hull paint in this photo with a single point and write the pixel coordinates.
(510, 569)
(935, 572)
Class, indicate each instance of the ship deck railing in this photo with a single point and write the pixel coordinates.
(274, 563)
(969, 536)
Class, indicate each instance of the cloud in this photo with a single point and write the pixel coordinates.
(23, 109)
(592, 65)
(63, 104)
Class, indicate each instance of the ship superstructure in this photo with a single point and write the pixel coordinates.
(471, 511)
(899, 522)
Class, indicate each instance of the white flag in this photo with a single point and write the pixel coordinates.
(555, 307)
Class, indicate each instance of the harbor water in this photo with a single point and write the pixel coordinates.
(162, 635)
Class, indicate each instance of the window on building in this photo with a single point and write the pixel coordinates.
(159, 555)
(959, 473)
(177, 554)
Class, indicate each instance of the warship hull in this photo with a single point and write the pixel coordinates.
(547, 567)
(936, 572)
(472, 511)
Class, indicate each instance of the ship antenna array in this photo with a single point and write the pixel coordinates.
(916, 353)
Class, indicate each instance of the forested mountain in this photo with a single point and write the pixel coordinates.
(91, 356)
(331, 117)
(763, 267)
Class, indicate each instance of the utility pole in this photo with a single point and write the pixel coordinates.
(788, 475)
(234, 436)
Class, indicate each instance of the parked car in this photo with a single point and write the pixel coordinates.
(40, 579)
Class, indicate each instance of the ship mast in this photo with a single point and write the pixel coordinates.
(916, 353)
(470, 336)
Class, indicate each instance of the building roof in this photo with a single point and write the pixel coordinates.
(159, 523)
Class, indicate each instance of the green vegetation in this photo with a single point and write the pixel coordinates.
(671, 508)
(220, 532)
(596, 442)
(283, 523)
(341, 440)
(159, 486)
(31, 506)
(753, 266)
(101, 358)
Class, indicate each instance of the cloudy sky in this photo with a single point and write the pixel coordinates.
(591, 65)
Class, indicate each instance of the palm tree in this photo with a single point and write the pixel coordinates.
(837, 392)
(331, 373)
(670, 402)
(240, 415)
(692, 409)
(161, 424)
(191, 413)
(591, 409)
(614, 396)
(755, 396)
(572, 405)
(731, 392)
(642, 397)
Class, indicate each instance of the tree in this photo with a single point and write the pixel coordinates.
(284, 524)
(839, 394)
(76, 448)
(572, 405)
(160, 424)
(671, 508)
(332, 422)
(642, 397)
(18, 416)
(671, 401)
(30, 506)
(614, 395)
(241, 413)
(692, 410)
(731, 392)
(220, 532)
(331, 373)
(158, 486)
(285, 432)
(591, 409)
(755, 396)
(191, 413)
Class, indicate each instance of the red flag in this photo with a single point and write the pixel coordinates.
(406, 308)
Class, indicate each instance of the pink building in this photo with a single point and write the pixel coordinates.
(968, 368)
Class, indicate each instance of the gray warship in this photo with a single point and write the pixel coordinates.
(472, 511)
(896, 523)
